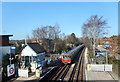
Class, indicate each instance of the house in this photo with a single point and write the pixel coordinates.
(5, 46)
(38, 41)
(110, 43)
(32, 55)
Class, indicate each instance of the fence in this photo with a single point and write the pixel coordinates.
(108, 67)
(23, 72)
(99, 67)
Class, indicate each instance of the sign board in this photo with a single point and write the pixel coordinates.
(10, 69)
(37, 73)
(89, 67)
(23, 72)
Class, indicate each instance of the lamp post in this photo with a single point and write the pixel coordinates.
(106, 58)
(10, 56)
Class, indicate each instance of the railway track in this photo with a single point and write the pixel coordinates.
(78, 71)
(69, 72)
(63, 74)
(81, 75)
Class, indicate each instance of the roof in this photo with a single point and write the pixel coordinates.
(21, 49)
(5, 35)
(36, 47)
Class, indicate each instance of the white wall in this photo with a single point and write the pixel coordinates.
(27, 51)
(23, 72)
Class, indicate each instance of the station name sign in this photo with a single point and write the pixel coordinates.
(10, 70)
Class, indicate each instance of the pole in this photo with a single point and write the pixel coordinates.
(10, 59)
(106, 58)
(10, 55)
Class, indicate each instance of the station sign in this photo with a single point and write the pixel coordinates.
(89, 67)
(37, 73)
(10, 70)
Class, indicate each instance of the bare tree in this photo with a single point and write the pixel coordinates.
(29, 39)
(47, 33)
(57, 31)
(94, 27)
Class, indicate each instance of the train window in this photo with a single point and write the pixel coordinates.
(65, 56)
(68, 56)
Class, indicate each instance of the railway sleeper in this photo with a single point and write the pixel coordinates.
(60, 77)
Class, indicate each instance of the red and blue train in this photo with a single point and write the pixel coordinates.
(69, 56)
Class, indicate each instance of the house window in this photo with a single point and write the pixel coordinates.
(34, 59)
(22, 59)
(30, 58)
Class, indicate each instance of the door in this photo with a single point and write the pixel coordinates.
(27, 63)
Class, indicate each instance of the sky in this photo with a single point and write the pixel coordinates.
(20, 18)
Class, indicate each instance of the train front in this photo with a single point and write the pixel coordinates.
(66, 59)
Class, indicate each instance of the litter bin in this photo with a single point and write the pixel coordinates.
(38, 71)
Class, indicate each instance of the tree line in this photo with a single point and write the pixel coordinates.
(93, 29)
(52, 34)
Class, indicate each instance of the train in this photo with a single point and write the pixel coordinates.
(68, 57)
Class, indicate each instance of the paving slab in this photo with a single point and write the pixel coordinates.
(92, 75)
(98, 76)
(114, 75)
(21, 79)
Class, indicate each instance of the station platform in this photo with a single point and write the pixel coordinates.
(96, 76)
(31, 77)
(91, 75)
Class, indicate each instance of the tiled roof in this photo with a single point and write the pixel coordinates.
(37, 47)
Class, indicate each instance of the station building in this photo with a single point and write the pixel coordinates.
(32, 55)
